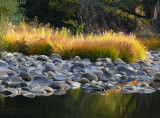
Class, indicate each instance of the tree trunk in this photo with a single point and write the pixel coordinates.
(157, 10)
(101, 16)
(147, 9)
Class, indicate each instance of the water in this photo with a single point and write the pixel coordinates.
(77, 104)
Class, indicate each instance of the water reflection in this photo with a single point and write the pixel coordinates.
(77, 104)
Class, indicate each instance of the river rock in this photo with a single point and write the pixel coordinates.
(12, 79)
(57, 61)
(9, 92)
(50, 74)
(142, 84)
(107, 76)
(41, 80)
(107, 86)
(3, 76)
(36, 72)
(28, 94)
(23, 69)
(25, 76)
(3, 64)
(42, 58)
(16, 84)
(126, 70)
(58, 85)
(55, 56)
(89, 76)
(60, 92)
(60, 77)
(146, 89)
(50, 67)
(84, 81)
(96, 84)
(38, 91)
(77, 58)
(75, 85)
(48, 89)
(118, 61)
(157, 77)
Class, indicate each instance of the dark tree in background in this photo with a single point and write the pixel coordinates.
(95, 15)
(37, 8)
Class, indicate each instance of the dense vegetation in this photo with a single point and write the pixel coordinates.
(89, 27)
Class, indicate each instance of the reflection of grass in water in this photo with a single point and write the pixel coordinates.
(113, 105)
(76, 104)
(134, 83)
(1, 98)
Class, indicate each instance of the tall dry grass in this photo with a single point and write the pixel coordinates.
(30, 39)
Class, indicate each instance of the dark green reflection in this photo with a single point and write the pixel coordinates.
(77, 104)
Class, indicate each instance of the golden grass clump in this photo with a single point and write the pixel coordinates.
(42, 40)
(112, 45)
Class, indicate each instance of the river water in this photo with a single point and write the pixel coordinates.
(78, 104)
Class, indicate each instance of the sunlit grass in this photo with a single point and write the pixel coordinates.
(43, 40)
(152, 43)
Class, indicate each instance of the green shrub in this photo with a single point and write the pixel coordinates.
(10, 11)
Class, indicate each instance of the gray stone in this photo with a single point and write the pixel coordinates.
(126, 70)
(36, 72)
(60, 92)
(50, 74)
(77, 69)
(107, 60)
(96, 84)
(3, 64)
(49, 67)
(38, 91)
(89, 76)
(12, 79)
(57, 61)
(28, 94)
(84, 81)
(3, 76)
(55, 56)
(143, 84)
(25, 76)
(107, 86)
(16, 84)
(119, 61)
(23, 69)
(77, 58)
(58, 85)
(42, 58)
(48, 89)
(107, 76)
(41, 80)
(80, 64)
(157, 77)
(75, 85)
(60, 77)
(6, 92)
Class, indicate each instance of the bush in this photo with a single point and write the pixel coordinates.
(10, 11)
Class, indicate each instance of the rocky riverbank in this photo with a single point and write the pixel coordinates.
(40, 75)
